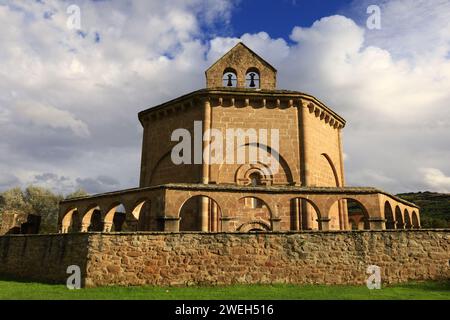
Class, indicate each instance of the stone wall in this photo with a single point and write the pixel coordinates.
(42, 257)
(334, 257)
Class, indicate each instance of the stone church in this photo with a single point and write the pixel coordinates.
(300, 186)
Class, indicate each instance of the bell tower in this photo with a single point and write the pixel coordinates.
(241, 68)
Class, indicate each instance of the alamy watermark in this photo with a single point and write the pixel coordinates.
(374, 280)
(74, 19)
(74, 280)
(374, 20)
(229, 146)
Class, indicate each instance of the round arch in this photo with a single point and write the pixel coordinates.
(254, 226)
(158, 164)
(114, 219)
(67, 220)
(305, 214)
(399, 218)
(253, 78)
(92, 219)
(357, 211)
(415, 220)
(191, 212)
(389, 215)
(333, 168)
(243, 173)
(281, 161)
(229, 78)
(408, 224)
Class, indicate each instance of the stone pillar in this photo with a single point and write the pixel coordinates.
(276, 224)
(304, 143)
(226, 223)
(132, 225)
(107, 226)
(297, 212)
(308, 214)
(205, 208)
(377, 223)
(85, 227)
(214, 216)
(206, 156)
(171, 224)
(342, 184)
(400, 225)
(324, 223)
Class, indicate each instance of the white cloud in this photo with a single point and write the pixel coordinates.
(391, 85)
(396, 106)
(436, 179)
(48, 116)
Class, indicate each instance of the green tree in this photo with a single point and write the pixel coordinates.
(14, 200)
(77, 194)
(45, 203)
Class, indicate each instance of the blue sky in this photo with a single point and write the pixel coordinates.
(278, 18)
(392, 85)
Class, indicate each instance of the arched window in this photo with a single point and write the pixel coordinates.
(229, 78)
(252, 78)
(255, 179)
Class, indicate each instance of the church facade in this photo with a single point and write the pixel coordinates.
(240, 156)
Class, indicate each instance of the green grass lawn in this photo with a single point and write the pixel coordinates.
(29, 290)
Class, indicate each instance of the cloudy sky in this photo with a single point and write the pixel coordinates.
(69, 97)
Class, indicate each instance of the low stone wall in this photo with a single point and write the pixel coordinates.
(43, 258)
(334, 257)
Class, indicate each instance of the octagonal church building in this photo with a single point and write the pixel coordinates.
(240, 155)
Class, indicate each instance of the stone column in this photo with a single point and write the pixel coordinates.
(171, 224)
(400, 225)
(342, 184)
(226, 223)
(297, 211)
(377, 223)
(107, 226)
(308, 214)
(132, 225)
(214, 216)
(276, 224)
(324, 223)
(206, 156)
(85, 227)
(304, 157)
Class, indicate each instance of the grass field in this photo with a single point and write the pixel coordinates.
(420, 291)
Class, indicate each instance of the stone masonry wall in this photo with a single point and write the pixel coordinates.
(42, 257)
(334, 257)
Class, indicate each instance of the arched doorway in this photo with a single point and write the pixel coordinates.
(304, 214)
(71, 221)
(357, 215)
(399, 218)
(252, 210)
(195, 209)
(408, 224)
(389, 216)
(415, 220)
(114, 218)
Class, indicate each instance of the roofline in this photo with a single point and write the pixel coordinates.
(242, 43)
(240, 91)
(257, 189)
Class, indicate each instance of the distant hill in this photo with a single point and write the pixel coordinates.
(434, 208)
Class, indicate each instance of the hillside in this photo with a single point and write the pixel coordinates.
(434, 208)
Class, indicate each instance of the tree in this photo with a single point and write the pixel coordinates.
(45, 203)
(13, 200)
(77, 194)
